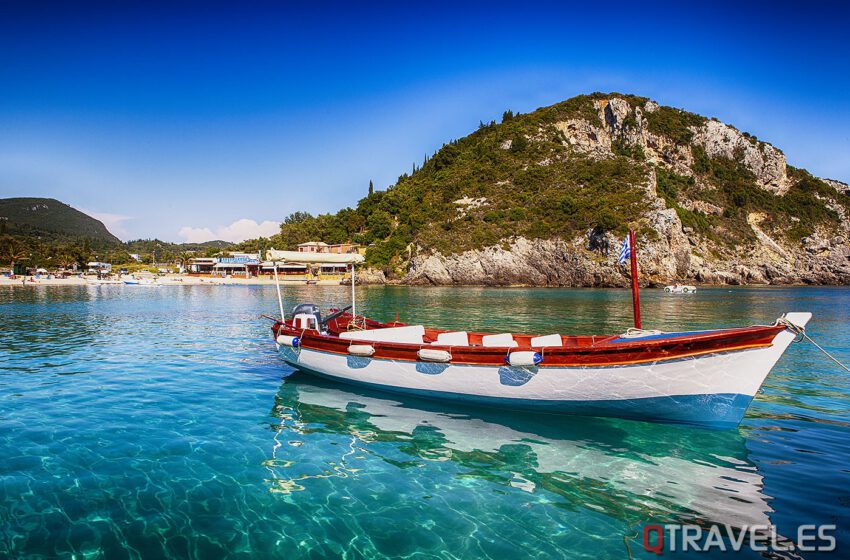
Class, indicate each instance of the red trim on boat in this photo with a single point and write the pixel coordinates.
(576, 351)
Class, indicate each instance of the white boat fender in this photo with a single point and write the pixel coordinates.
(364, 350)
(524, 358)
(428, 355)
(286, 340)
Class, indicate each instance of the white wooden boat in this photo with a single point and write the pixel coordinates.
(148, 282)
(698, 377)
(703, 377)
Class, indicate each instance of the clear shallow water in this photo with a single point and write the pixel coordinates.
(159, 423)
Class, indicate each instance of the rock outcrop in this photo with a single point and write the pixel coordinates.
(763, 160)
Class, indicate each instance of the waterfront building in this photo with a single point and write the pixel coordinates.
(202, 265)
(313, 247)
(287, 269)
(247, 264)
(321, 247)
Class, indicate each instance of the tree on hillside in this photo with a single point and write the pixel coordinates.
(297, 218)
(371, 188)
(65, 260)
(183, 258)
(380, 224)
(12, 250)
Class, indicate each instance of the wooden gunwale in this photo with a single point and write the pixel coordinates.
(580, 351)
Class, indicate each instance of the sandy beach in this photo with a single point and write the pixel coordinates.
(164, 280)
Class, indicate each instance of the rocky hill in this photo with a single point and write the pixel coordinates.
(545, 198)
(47, 217)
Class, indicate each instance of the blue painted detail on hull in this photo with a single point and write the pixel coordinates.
(722, 410)
(662, 336)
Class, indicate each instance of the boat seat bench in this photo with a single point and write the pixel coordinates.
(458, 338)
(548, 340)
(411, 334)
(415, 334)
(499, 340)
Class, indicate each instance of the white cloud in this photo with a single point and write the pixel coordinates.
(196, 235)
(243, 229)
(113, 222)
(238, 231)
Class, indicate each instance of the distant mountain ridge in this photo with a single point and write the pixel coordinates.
(47, 232)
(48, 217)
(148, 245)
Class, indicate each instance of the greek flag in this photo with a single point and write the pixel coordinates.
(625, 251)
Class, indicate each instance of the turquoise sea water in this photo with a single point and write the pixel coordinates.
(159, 423)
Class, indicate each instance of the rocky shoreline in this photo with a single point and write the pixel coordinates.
(555, 263)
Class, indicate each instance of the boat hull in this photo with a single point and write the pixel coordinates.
(711, 389)
(710, 410)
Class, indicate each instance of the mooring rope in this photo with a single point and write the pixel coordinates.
(801, 332)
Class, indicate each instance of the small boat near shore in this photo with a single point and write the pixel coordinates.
(149, 282)
(680, 289)
(704, 377)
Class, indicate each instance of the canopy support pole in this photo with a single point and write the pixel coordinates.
(353, 302)
(635, 291)
(279, 297)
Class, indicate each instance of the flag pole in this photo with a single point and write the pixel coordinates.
(635, 292)
(279, 297)
(353, 300)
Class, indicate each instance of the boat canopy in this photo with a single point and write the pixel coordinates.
(314, 258)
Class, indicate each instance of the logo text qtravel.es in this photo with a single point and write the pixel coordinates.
(673, 537)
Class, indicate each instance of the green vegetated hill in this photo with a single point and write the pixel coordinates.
(597, 163)
(144, 246)
(485, 187)
(47, 217)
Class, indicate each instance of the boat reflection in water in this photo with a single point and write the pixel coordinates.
(633, 472)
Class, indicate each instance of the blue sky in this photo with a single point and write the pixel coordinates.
(191, 116)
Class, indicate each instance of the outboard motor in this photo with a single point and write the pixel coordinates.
(307, 316)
